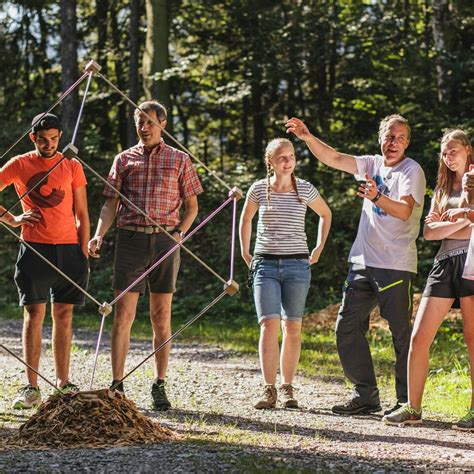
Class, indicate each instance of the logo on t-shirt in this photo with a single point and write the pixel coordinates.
(381, 187)
(52, 199)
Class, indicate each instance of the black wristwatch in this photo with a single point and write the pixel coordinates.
(377, 196)
(180, 232)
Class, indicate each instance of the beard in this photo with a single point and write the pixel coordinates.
(46, 154)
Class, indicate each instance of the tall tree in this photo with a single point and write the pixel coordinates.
(156, 54)
(69, 65)
(446, 39)
(133, 81)
(121, 80)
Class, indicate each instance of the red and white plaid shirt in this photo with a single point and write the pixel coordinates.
(157, 182)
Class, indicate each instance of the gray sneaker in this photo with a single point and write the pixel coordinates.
(69, 389)
(466, 423)
(28, 397)
(287, 398)
(405, 415)
(268, 399)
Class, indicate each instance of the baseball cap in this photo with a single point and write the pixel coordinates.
(47, 121)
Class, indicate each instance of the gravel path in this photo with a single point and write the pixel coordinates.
(212, 391)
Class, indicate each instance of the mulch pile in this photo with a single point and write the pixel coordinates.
(326, 318)
(94, 419)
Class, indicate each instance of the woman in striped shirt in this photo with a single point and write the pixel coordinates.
(280, 265)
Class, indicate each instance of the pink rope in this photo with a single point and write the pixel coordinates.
(232, 241)
(174, 248)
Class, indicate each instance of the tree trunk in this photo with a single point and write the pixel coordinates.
(102, 8)
(69, 67)
(121, 83)
(133, 87)
(156, 55)
(445, 37)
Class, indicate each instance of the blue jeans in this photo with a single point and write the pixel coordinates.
(280, 288)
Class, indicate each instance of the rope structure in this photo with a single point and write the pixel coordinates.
(231, 287)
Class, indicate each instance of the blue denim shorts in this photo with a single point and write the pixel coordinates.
(280, 288)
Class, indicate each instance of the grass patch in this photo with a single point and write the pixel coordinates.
(448, 387)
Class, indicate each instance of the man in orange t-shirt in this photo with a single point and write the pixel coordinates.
(55, 222)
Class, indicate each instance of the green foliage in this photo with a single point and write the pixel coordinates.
(238, 69)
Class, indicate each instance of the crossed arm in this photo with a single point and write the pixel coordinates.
(438, 226)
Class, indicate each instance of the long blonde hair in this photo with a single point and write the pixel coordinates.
(446, 177)
(270, 150)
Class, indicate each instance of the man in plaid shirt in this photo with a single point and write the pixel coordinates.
(158, 179)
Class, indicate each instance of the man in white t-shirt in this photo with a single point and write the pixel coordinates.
(382, 260)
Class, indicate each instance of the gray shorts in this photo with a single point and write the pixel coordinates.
(136, 252)
(445, 279)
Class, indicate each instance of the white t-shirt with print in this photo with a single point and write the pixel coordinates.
(384, 241)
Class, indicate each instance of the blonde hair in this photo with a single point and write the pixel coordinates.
(388, 121)
(270, 150)
(445, 179)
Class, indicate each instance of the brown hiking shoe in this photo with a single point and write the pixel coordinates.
(268, 399)
(287, 398)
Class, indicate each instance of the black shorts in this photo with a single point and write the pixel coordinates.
(37, 281)
(445, 279)
(136, 252)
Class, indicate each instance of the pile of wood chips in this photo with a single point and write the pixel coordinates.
(99, 418)
(326, 318)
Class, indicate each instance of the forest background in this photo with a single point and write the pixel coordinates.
(230, 73)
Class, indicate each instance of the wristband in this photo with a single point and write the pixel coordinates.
(180, 232)
(377, 197)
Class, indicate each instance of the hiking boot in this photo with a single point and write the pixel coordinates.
(69, 389)
(160, 400)
(355, 407)
(286, 395)
(118, 386)
(268, 399)
(466, 423)
(405, 415)
(28, 397)
(396, 407)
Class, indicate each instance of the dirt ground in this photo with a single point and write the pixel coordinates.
(212, 391)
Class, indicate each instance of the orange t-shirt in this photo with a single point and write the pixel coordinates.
(53, 197)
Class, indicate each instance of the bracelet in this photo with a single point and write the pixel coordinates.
(180, 232)
(377, 197)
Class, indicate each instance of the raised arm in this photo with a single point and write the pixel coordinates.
(323, 152)
(320, 207)
(106, 218)
(245, 229)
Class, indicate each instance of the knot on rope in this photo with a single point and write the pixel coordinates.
(105, 309)
(231, 287)
(236, 193)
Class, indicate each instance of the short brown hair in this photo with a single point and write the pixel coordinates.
(151, 106)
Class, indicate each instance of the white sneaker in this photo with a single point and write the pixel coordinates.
(28, 397)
